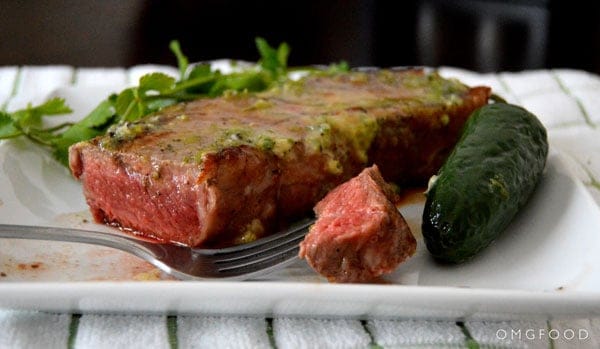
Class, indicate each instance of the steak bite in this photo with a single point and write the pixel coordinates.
(237, 167)
(359, 234)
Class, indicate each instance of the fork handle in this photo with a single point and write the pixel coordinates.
(123, 243)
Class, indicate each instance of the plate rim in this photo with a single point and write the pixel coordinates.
(271, 298)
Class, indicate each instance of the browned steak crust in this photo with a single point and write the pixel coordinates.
(234, 168)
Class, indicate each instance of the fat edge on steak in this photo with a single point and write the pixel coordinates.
(238, 167)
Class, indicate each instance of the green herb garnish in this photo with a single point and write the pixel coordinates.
(28, 122)
(154, 92)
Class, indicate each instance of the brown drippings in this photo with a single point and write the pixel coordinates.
(380, 280)
(411, 196)
(29, 266)
(2, 274)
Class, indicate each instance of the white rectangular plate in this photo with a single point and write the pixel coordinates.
(545, 264)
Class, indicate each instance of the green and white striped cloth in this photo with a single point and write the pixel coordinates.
(568, 103)
(19, 329)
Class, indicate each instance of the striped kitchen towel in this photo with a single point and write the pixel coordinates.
(20, 329)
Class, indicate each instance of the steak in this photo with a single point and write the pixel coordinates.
(237, 167)
(359, 234)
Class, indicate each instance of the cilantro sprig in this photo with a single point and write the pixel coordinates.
(28, 122)
(153, 92)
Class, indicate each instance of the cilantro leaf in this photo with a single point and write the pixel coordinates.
(7, 127)
(54, 106)
(283, 52)
(239, 82)
(271, 59)
(340, 67)
(160, 103)
(158, 82)
(129, 105)
(31, 117)
(200, 70)
(28, 122)
(94, 124)
(182, 60)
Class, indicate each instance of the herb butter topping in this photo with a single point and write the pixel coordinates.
(337, 115)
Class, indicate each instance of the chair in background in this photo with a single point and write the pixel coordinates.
(486, 35)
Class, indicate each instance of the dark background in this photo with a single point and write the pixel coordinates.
(475, 34)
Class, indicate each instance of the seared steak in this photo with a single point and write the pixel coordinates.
(359, 234)
(234, 168)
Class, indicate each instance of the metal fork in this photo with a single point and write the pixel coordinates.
(185, 263)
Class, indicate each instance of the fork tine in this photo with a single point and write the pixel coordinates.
(261, 266)
(248, 263)
(258, 256)
(264, 245)
(253, 259)
(292, 230)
